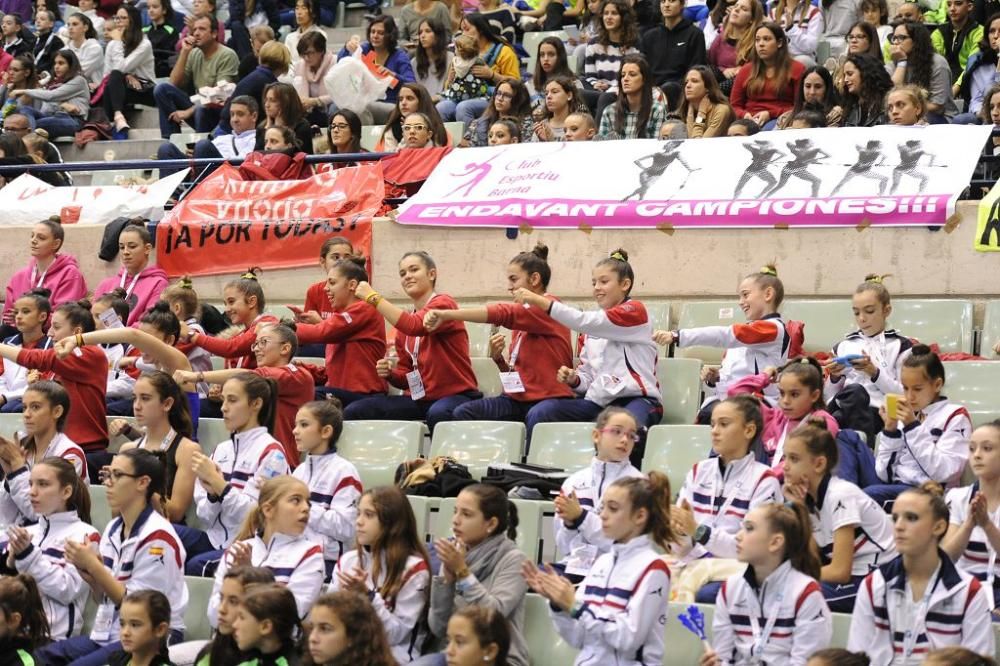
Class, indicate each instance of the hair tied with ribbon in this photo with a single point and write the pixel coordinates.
(769, 270)
(619, 256)
(186, 283)
(249, 275)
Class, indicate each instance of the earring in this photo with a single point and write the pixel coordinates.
(486, 658)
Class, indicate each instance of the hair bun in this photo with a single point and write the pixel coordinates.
(876, 278)
(39, 291)
(252, 273)
(161, 306)
(185, 282)
(932, 488)
(55, 218)
(920, 350)
(769, 269)
(541, 250)
(118, 293)
(817, 422)
(620, 255)
(84, 303)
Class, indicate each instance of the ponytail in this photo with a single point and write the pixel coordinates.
(271, 492)
(79, 499)
(793, 522)
(809, 373)
(618, 262)
(264, 389)
(19, 594)
(652, 494)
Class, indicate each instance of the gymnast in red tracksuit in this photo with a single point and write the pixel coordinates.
(354, 334)
(539, 346)
(317, 306)
(274, 347)
(434, 367)
(84, 375)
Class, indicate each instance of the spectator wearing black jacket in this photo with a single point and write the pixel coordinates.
(48, 42)
(673, 47)
(16, 40)
(162, 34)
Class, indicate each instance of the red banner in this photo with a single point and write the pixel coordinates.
(227, 224)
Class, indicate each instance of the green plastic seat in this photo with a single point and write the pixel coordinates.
(696, 314)
(487, 376)
(211, 433)
(674, 449)
(566, 445)
(479, 444)
(377, 447)
(529, 526)
(680, 646)
(100, 512)
(659, 313)
(196, 627)
(947, 322)
(991, 330)
(976, 385)
(545, 645)
(439, 524)
(479, 339)
(841, 630)
(827, 322)
(422, 512)
(10, 424)
(680, 384)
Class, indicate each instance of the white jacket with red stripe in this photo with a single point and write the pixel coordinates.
(621, 608)
(958, 614)
(935, 449)
(295, 561)
(246, 461)
(750, 348)
(64, 592)
(15, 504)
(334, 492)
(721, 496)
(150, 557)
(401, 615)
(802, 622)
(618, 359)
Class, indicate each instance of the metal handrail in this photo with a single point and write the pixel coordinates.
(175, 164)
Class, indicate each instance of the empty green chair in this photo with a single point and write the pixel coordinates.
(827, 322)
(439, 524)
(487, 376)
(659, 313)
(100, 512)
(680, 384)
(422, 512)
(529, 526)
(377, 447)
(991, 330)
(10, 424)
(479, 444)
(841, 630)
(566, 445)
(545, 645)
(211, 433)
(976, 386)
(674, 449)
(707, 313)
(946, 322)
(479, 339)
(196, 627)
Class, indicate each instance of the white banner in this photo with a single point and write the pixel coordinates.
(803, 178)
(26, 200)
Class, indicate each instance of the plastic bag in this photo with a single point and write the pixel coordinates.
(352, 85)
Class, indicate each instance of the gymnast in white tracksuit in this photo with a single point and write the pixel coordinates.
(617, 615)
(774, 612)
(63, 510)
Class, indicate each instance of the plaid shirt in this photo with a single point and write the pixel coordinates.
(657, 115)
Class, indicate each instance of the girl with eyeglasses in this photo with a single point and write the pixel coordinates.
(412, 98)
(309, 69)
(65, 100)
(21, 73)
(510, 99)
(915, 61)
(139, 550)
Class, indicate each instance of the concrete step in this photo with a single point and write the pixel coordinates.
(99, 151)
(144, 117)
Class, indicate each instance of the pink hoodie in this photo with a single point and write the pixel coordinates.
(776, 424)
(151, 283)
(63, 279)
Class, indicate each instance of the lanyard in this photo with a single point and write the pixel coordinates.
(34, 273)
(416, 339)
(165, 444)
(760, 636)
(910, 635)
(131, 286)
(716, 493)
(516, 347)
(875, 346)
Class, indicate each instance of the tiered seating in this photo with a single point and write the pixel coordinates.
(377, 447)
(479, 444)
(991, 330)
(487, 376)
(680, 384)
(566, 445)
(976, 385)
(827, 321)
(947, 322)
(100, 512)
(707, 313)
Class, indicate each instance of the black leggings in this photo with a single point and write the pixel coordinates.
(117, 94)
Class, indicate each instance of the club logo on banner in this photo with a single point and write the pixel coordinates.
(791, 178)
(226, 224)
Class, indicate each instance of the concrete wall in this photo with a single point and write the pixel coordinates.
(688, 264)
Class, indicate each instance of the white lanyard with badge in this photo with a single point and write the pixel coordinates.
(131, 286)
(105, 618)
(511, 380)
(914, 623)
(760, 636)
(34, 274)
(413, 379)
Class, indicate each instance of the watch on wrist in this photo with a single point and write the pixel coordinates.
(702, 534)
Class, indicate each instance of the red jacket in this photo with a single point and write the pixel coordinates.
(84, 375)
(295, 388)
(355, 341)
(542, 346)
(767, 99)
(237, 349)
(442, 356)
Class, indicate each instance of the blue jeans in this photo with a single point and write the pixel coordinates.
(465, 112)
(81, 651)
(707, 593)
(500, 408)
(647, 413)
(57, 125)
(404, 408)
(170, 98)
(345, 397)
(885, 494)
(12, 406)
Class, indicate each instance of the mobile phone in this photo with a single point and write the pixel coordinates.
(892, 406)
(847, 358)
